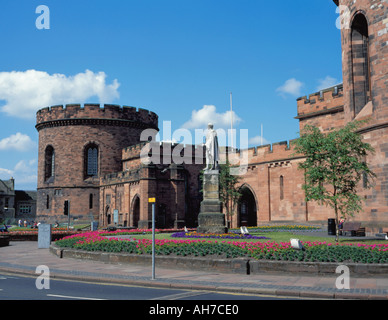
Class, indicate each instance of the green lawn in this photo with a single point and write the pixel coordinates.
(277, 237)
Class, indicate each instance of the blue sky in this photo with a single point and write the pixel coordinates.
(173, 57)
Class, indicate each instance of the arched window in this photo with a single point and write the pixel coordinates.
(281, 187)
(49, 165)
(360, 63)
(91, 160)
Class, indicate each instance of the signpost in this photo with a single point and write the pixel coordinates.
(152, 201)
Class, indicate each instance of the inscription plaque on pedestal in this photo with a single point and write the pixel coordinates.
(211, 219)
(44, 236)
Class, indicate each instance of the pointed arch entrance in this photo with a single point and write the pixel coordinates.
(107, 215)
(247, 207)
(135, 211)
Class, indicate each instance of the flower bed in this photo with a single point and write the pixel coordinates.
(33, 235)
(269, 250)
(324, 252)
(29, 234)
(278, 228)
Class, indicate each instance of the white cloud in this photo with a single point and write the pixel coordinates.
(18, 142)
(208, 114)
(326, 83)
(25, 172)
(5, 174)
(257, 141)
(24, 166)
(25, 92)
(290, 87)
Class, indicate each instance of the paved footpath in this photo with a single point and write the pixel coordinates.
(24, 257)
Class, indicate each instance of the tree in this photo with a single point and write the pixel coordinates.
(229, 191)
(335, 163)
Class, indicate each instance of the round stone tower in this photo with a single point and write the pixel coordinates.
(78, 145)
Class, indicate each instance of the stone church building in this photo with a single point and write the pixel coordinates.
(91, 154)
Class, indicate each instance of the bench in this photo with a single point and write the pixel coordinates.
(353, 229)
(382, 235)
(244, 230)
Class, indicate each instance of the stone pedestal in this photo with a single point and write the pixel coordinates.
(211, 219)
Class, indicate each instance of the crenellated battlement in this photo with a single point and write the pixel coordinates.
(164, 151)
(133, 151)
(120, 177)
(262, 154)
(326, 100)
(167, 153)
(89, 111)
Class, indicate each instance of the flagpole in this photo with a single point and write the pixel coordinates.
(231, 121)
(261, 134)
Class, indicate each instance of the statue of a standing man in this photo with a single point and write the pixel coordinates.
(212, 152)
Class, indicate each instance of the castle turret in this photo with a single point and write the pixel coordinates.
(77, 145)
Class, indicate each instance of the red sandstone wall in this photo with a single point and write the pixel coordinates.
(376, 199)
(175, 187)
(322, 109)
(375, 131)
(263, 178)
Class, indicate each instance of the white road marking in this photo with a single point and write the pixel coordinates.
(72, 297)
(7, 277)
(181, 295)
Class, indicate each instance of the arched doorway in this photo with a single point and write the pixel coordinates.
(107, 215)
(247, 208)
(136, 211)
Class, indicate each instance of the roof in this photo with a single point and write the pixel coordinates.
(7, 186)
(22, 195)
